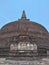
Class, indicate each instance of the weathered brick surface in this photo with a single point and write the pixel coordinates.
(33, 32)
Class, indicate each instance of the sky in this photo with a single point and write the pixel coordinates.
(36, 10)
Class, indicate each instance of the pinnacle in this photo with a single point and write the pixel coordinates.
(23, 15)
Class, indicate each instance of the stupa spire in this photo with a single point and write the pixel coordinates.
(23, 15)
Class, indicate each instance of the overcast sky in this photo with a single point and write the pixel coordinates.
(36, 10)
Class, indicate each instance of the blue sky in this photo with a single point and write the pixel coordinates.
(36, 10)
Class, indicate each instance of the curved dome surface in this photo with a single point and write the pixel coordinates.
(24, 25)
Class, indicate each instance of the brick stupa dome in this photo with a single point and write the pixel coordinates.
(24, 30)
